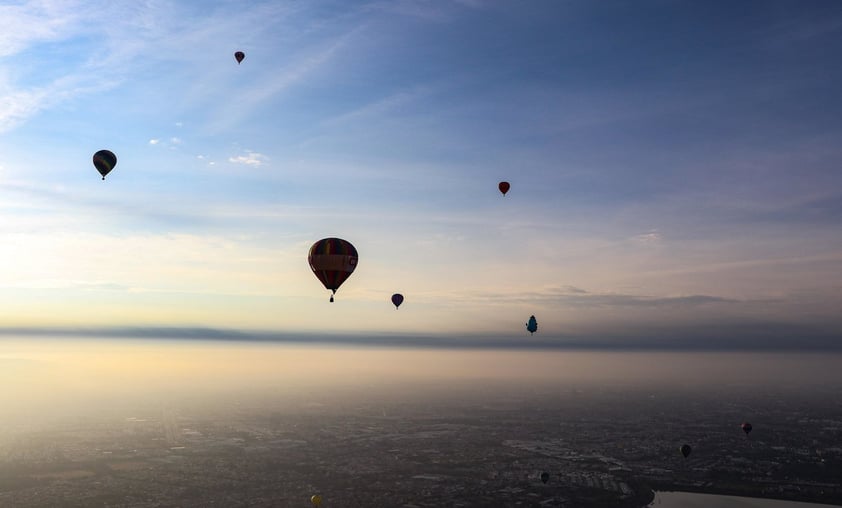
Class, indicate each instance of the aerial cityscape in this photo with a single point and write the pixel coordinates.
(397, 440)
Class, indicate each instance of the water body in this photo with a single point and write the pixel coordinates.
(694, 500)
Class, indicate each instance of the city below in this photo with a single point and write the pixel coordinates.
(447, 446)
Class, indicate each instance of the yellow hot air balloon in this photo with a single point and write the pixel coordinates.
(316, 499)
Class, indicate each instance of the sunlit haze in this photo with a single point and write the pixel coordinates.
(70, 377)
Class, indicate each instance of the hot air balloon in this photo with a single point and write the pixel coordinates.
(239, 56)
(397, 300)
(332, 260)
(316, 499)
(104, 162)
(685, 450)
(504, 187)
(545, 477)
(746, 428)
(532, 325)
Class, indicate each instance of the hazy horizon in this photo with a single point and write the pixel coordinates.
(50, 368)
(704, 337)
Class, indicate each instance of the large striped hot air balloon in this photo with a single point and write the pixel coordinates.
(333, 260)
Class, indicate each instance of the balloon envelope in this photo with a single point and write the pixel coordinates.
(746, 427)
(545, 477)
(332, 260)
(239, 55)
(532, 325)
(316, 499)
(685, 450)
(397, 300)
(104, 162)
(504, 187)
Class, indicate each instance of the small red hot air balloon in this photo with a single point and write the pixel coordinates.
(239, 56)
(504, 187)
(332, 260)
(746, 427)
(397, 300)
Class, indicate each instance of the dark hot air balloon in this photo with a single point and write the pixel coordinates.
(332, 260)
(532, 325)
(397, 300)
(746, 428)
(104, 162)
(239, 56)
(545, 477)
(685, 450)
(504, 187)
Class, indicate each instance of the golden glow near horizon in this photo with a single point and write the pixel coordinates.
(67, 376)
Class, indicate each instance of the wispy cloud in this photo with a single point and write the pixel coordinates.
(80, 285)
(382, 106)
(172, 143)
(775, 263)
(249, 159)
(650, 237)
(127, 37)
(254, 95)
(417, 9)
(815, 210)
(574, 296)
(36, 21)
(434, 11)
(46, 21)
(17, 106)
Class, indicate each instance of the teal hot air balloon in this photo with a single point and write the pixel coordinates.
(532, 325)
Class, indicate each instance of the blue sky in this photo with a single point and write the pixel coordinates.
(672, 164)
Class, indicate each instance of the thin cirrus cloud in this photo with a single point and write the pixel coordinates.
(572, 296)
(24, 26)
(33, 22)
(145, 35)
